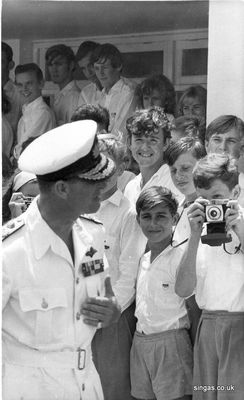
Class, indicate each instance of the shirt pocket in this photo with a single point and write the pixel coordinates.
(168, 296)
(46, 310)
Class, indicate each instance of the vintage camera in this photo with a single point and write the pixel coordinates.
(215, 220)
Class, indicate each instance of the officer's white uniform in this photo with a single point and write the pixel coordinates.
(42, 293)
(46, 344)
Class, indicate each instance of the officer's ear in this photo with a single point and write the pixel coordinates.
(61, 189)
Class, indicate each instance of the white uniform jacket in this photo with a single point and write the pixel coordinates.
(46, 345)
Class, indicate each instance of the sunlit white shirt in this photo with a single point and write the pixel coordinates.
(125, 243)
(158, 307)
(90, 94)
(37, 119)
(120, 102)
(66, 102)
(43, 288)
(220, 277)
(160, 178)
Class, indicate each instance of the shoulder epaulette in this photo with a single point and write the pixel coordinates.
(11, 227)
(86, 217)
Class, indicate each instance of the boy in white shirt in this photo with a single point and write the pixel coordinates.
(91, 93)
(37, 117)
(161, 354)
(149, 136)
(214, 269)
(225, 134)
(118, 92)
(60, 61)
(124, 246)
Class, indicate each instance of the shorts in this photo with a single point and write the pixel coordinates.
(161, 365)
(219, 356)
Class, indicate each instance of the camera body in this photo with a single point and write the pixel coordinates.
(215, 220)
(215, 211)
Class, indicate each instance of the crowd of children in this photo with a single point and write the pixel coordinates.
(173, 218)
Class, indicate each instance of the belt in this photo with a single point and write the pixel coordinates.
(207, 314)
(26, 356)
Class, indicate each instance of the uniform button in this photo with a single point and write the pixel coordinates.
(44, 303)
(77, 316)
(77, 281)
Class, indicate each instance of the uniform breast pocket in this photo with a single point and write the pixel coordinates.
(168, 295)
(46, 313)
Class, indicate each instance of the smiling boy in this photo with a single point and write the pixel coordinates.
(37, 116)
(149, 135)
(161, 354)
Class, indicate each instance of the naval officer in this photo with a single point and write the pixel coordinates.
(55, 290)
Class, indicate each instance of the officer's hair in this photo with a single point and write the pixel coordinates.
(183, 145)
(114, 147)
(8, 51)
(30, 67)
(155, 195)
(105, 52)
(215, 166)
(85, 48)
(60, 50)
(97, 113)
(223, 124)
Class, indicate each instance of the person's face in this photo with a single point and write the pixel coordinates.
(87, 68)
(156, 223)
(218, 190)
(148, 150)
(107, 74)
(155, 98)
(60, 70)
(30, 189)
(84, 196)
(28, 86)
(192, 107)
(181, 173)
(228, 142)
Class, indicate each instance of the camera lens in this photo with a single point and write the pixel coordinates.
(214, 213)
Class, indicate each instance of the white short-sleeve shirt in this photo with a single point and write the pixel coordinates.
(158, 307)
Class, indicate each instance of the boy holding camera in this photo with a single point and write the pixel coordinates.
(216, 273)
(161, 353)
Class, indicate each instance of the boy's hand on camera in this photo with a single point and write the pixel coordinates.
(234, 219)
(196, 215)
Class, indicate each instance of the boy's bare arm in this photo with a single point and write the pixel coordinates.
(235, 220)
(186, 275)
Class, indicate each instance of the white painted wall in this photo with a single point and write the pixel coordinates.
(225, 59)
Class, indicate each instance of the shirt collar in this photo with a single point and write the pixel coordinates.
(115, 88)
(67, 88)
(30, 107)
(114, 199)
